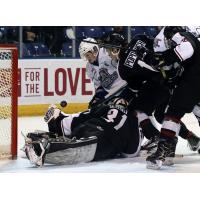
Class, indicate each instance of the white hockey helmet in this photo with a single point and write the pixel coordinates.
(86, 47)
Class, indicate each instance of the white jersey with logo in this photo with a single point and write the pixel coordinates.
(106, 73)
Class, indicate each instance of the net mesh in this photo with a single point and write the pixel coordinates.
(5, 102)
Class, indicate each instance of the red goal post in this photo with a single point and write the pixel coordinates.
(8, 100)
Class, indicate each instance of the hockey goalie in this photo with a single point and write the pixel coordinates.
(104, 133)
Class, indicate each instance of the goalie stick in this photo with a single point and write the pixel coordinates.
(113, 93)
(108, 97)
(144, 154)
(101, 103)
(186, 155)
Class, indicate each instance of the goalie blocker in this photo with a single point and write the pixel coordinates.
(83, 137)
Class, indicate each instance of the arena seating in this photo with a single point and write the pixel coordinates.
(108, 29)
(150, 31)
(93, 31)
(80, 32)
(66, 49)
(2, 32)
(10, 34)
(36, 50)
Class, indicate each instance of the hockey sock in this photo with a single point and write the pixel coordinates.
(171, 127)
(148, 129)
(184, 132)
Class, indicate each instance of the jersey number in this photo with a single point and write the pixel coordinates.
(112, 114)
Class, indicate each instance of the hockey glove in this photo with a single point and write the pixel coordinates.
(53, 112)
(148, 56)
(99, 95)
(167, 58)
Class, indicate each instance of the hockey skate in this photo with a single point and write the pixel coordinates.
(149, 146)
(169, 160)
(193, 142)
(156, 160)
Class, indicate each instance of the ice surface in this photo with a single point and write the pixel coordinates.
(189, 163)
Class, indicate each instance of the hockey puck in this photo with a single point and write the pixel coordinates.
(63, 104)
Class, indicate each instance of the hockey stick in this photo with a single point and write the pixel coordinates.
(186, 155)
(143, 64)
(109, 96)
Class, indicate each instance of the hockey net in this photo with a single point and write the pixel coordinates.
(8, 101)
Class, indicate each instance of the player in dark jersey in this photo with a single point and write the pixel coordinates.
(113, 125)
(184, 48)
(136, 76)
(152, 84)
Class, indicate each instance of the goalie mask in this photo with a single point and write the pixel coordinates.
(88, 51)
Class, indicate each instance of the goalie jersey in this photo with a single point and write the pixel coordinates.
(84, 137)
(117, 131)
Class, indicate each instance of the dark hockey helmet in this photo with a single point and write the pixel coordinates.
(114, 42)
(115, 39)
(170, 31)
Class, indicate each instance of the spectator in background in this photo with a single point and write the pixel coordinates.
(12, 34)
(53, 37)
(2, 34)
(118, 29)
(29, 34)
(122, 30)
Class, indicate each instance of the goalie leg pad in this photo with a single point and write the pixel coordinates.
(47, 147)
(67, 153)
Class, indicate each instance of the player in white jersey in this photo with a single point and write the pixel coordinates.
(101, 69)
